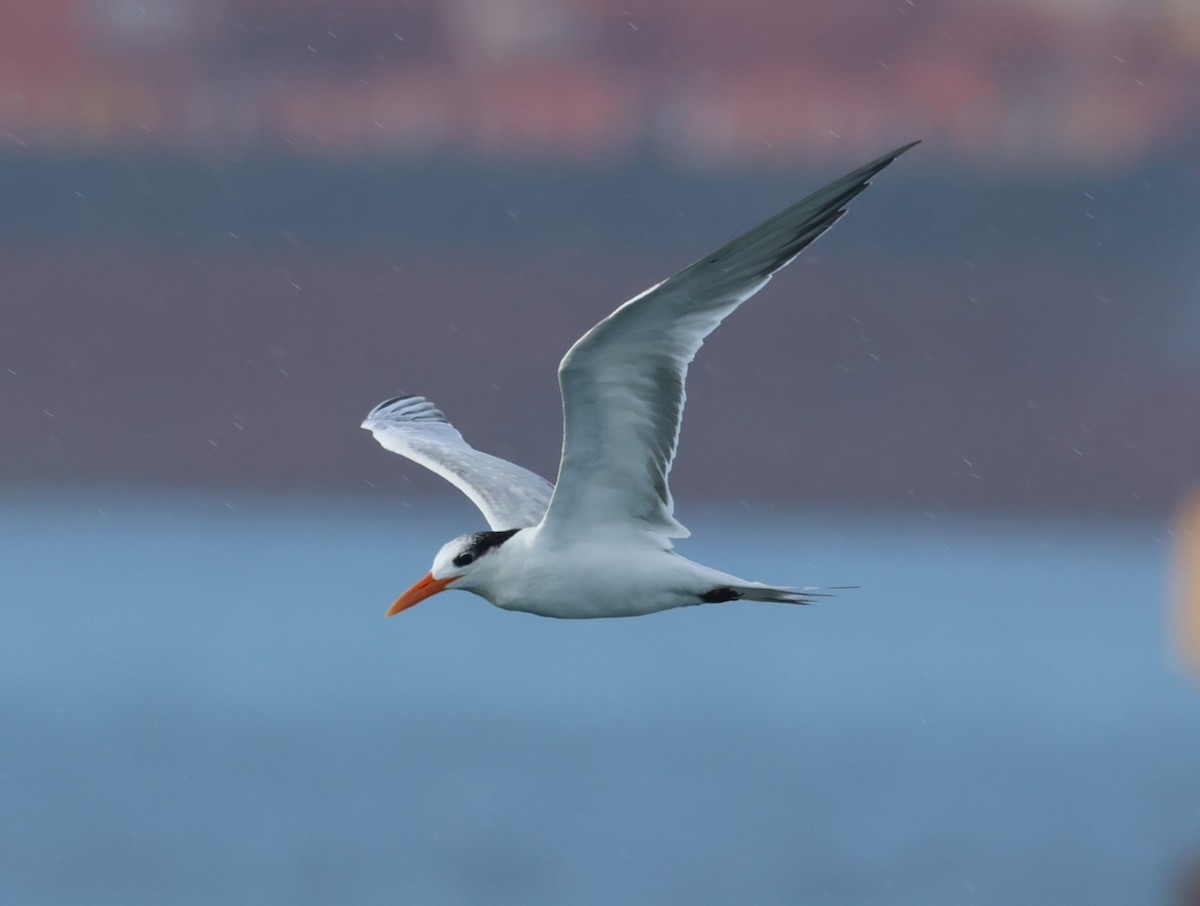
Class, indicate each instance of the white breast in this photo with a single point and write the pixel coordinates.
(619, 577)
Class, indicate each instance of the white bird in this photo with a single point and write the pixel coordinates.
(598, 543)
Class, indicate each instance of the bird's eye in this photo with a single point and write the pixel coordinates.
(464, 559)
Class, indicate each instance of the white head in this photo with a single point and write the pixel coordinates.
(461, 563)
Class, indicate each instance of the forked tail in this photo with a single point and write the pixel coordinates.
(771, 593)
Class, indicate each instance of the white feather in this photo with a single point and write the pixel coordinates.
(507, 495)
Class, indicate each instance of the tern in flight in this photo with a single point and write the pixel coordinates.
(598, 542)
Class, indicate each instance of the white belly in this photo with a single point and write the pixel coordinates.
(595, 580)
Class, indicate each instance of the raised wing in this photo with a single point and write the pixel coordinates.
(507, 495)
(623, 381)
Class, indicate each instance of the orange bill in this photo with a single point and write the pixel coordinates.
(426, 588)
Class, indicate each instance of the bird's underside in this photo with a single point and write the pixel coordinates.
(598, 541)
(606, 577)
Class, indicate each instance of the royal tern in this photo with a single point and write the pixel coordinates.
(598, 542)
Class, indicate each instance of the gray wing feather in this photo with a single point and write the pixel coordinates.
(623, 381)
(507, 495)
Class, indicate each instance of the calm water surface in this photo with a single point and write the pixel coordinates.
(200, 702)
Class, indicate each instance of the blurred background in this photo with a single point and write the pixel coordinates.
(230, 227)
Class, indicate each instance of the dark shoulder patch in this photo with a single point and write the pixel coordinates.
(720, 595)
(481, 543)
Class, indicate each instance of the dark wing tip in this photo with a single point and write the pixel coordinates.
(760, 252)
(407, 408)
(853, 183)
(842, 191)
(879, 163)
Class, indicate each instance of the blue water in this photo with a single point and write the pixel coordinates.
(200, 702)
